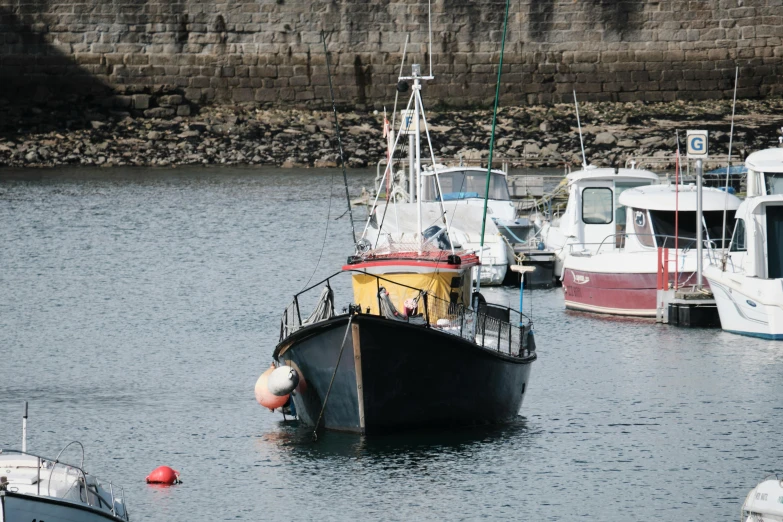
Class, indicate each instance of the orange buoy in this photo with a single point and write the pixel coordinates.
(264, 397)
(163, 475)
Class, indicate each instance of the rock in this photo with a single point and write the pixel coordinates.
(97, 124)
(153, 135)
(651, 141)
(604, 138)
(545, 126)
(159, 112)
(531, 149)
(183, 110)
(627, 144)
(324, 163)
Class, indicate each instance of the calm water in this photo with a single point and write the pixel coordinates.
(137, 309)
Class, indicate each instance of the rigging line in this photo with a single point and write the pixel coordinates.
(434, 168)
(492, 141)
(331, 186)
(385, 173)
(728, 166)
(329, 390)
(396, 92)
(390, 172)
(339, 137)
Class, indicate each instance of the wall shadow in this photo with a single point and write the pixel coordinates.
(42, 89)
(623, 18)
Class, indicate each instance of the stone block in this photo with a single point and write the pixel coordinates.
(141, 101)
(242, 95)
(170, 100)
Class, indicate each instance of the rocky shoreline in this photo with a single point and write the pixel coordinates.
(535, 136)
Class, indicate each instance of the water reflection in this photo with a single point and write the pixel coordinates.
(296, 441)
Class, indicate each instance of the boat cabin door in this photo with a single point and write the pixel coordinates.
(596, 212)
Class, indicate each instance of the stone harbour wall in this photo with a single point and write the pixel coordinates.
(170, 57)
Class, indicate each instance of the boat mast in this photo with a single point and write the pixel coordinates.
(492, 146)
(416, 72)
(724, 249)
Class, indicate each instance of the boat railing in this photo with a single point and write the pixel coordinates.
(494, 327)
(661, 241)
(91, 492)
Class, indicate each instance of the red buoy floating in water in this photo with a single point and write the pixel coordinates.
(164, 475)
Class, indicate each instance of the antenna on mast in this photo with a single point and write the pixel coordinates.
(728, 166)
(429, 16)
(579, 125)
(24, 429)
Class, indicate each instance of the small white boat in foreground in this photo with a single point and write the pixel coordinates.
(747, 281)
(763, 503)
(47, 490)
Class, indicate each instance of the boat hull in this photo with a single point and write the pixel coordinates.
(393, 375)
(18, 507)
(744, 306)
(631, 294)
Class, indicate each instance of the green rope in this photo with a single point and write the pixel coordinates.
(494, 122)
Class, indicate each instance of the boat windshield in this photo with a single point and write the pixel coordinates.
(663, 228)
(774, 182)
(465, 184)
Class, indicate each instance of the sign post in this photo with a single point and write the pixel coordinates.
(697, 146)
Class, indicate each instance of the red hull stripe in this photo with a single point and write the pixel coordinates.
(618, 294)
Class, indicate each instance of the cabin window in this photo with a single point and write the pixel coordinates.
(738, 240)
(464, 184)
(774, 182)
(641, 227)
(663, 224)
(620, 213)
(597, 206)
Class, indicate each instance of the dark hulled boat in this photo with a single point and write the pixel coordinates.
(416, 347)
(407, 356)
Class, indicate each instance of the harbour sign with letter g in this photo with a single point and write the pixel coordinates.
(697, 144)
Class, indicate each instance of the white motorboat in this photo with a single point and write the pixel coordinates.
(623, 276)
(462, 200)
(585, 224)
(747, 281)
(43, 489)
(763, 503)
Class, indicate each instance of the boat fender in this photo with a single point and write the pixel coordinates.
(164, 475)
(282, 381)
(264, 397)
